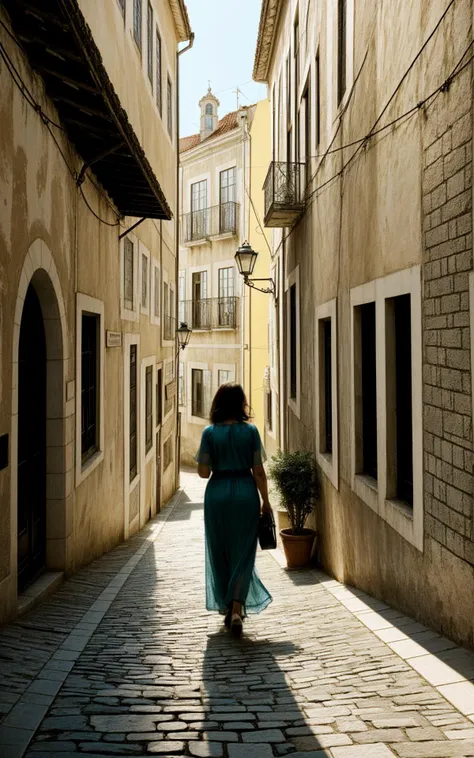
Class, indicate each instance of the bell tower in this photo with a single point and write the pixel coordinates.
(209, 105)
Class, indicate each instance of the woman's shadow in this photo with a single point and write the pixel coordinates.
(245, 684)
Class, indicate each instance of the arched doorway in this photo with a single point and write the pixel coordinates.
(31, 441)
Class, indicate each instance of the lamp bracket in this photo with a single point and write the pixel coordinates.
(266, 290)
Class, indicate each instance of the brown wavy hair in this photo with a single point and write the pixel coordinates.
(229, 404)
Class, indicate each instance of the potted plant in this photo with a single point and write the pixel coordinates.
(296, 479)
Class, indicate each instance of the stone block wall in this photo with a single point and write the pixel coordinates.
(447, 387)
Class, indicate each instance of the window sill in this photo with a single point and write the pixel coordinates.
(83, 470)
(127, 315)
(326, 463)
(366, 488)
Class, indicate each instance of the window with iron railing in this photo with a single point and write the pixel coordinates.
(206, 222)
(210, 313)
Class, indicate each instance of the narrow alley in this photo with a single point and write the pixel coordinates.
(124, 660)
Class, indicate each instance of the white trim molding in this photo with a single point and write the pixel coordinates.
(329, 461)
(129, 486)
(127, 314)
(406, 520)
(191, 365)
(293, 279)
(144, 252)
(87, 304)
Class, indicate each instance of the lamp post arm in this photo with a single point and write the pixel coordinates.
(266, 290)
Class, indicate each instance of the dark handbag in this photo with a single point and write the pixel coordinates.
(266, 532)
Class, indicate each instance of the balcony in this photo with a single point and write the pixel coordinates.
(218, 221)
(284, 193)
(212, 313)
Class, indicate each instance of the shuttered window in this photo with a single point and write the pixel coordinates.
(133, 413)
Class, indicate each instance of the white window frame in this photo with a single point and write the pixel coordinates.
(129, 486)
(171, 285)
(167, 362)
(293, 279)
(407, 521)
(329, 462)
(127, 314)
(87, 304)
(195, 419)
(144, 309)
(146, 363)
(332, 55)
(231, 367)
(156, 320)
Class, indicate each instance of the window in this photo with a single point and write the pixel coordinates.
(224, 377)
(90, 353)
(128, 274)
(182, 297)
(150, 43)
(122, 5)
(318, 101)
(148, 408)
(341, 49)
(293, 338)
(199, 210)
(201, 390)
(144, 281)
(169, 101)
(181, 395)
(296, 52)
(157, 293)
(209, 111)
(274, 131)
(387, 407)
(165, 307)
(159, 95)
(306, 104)
(399, 399)
(227, 186)
(326, 391)
(288, 92)
(133, 438)
(201, 315)
(137, 22)
(226, 302)
(209, 120)
(159, 396)
(368, 456)
(89, 385)
(167, 453)
(269, 398)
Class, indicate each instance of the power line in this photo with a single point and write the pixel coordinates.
(364, 142)
(48, 122)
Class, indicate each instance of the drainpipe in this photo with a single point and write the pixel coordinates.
(176, 305)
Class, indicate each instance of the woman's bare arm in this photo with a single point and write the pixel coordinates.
(262, 485)
(204, 471)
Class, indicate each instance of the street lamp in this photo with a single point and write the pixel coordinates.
(184, 335)
(246, 258)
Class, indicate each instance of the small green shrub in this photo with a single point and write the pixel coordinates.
(296, 478)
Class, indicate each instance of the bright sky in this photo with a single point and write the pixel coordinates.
(224, 49)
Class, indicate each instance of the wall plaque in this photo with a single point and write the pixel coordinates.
(114, 339)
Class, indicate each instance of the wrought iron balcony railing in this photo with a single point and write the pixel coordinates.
(211, 313)
(209, 222)
(284, 193)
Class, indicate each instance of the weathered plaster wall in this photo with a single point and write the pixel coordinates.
(405, 200)
(40, 204)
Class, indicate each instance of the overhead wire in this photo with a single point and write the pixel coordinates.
(364, 142)
(48, 122)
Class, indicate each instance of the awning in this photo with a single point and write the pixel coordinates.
(60, 48)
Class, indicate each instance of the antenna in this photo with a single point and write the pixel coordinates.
(237, 92)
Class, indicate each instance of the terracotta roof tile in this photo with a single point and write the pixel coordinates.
(226, 124)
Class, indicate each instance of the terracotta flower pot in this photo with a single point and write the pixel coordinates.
(297, 547)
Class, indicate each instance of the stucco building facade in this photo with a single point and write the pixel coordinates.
(88, 432)
(217, 183)
(369, 199)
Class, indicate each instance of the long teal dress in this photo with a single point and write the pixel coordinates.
(231, 517)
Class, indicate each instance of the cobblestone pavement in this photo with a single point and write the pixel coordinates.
(124, 660)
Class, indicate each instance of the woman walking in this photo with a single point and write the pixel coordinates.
(232, 451)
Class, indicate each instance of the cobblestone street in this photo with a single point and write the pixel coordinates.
(125, 660)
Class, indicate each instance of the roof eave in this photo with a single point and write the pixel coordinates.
(181, 20)
(269, 17)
